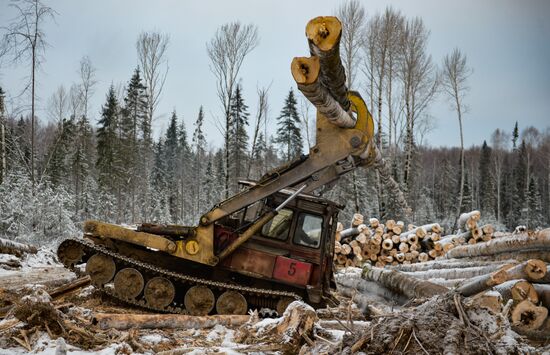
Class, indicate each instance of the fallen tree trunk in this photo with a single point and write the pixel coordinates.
(71, 286)
(455, 273)
(463, 219)
(448, 264)
(11, 247)
(351, 280)
(532, 270)
(166, 321)
(521, 255)
(421, 231)
(537, 242)
(323, 34)
(543, 293)
(401, 283)
(305, 72)
(529, 270)
(517, 290)
(482, 283)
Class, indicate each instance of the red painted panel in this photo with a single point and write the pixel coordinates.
(252, 262)
(292, 271)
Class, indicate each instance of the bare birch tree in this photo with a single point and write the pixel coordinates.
(418, 80)
(454, 79)
(151, 49)
(75, 100)
(227, 50)
(2, 137)
(58, 104)
(86, 72)
(353, 17)
(261, 117)
(152, 57)
(25, 40)
(499, 141)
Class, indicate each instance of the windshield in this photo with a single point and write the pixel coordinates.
(279, 226)
(308, 230)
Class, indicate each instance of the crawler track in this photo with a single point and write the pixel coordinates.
(258, 297)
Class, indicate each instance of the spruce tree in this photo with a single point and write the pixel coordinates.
(132, 145)
(219, 173)
(81, 166)
(258, 157)
(519, 206)
(238, 137)
(210, 187)
(185, 176)
(171, 163)
(289, 136)
(515, 135)
(534, 205)
(486, 184)
(59, 166)
(199, 148)
(467, 199)
(107, 141)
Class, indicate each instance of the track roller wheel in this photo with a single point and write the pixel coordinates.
(128, 283)
(231, 302)
(282, 304)
(70, 254)
(199, 300)
(101, 269)
(159, 292)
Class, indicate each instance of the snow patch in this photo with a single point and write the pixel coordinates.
(86, 291)
(44, 257)
(153, 338)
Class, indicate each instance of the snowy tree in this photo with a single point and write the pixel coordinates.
(534, 205)
(486, 184)
(239, 137)
(289, 136)
(170, 153)
(199, 174)
(107, 142)
(185, 176)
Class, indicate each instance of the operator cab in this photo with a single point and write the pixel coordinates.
(294, 248)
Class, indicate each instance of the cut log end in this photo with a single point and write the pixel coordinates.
(535, 269)
(523, 290)
(527, 316)
(305, 70)
(324, 32)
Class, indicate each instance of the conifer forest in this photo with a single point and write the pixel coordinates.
(438, 248)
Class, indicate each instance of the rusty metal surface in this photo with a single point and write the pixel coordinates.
(253, 262)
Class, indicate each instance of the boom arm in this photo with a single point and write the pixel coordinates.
(344, 132)
(336, 152)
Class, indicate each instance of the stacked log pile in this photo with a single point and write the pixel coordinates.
(390, 243)
(509, 275)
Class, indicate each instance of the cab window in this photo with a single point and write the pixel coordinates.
(308, 230)
(279, 226)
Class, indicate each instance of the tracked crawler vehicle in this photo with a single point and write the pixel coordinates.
(270, 244)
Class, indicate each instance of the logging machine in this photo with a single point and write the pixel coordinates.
(264, 247)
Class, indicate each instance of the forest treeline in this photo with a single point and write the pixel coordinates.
(106, 163)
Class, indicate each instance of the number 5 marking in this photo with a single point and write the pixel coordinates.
(292, 269)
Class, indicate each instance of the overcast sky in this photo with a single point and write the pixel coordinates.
(507, 43)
